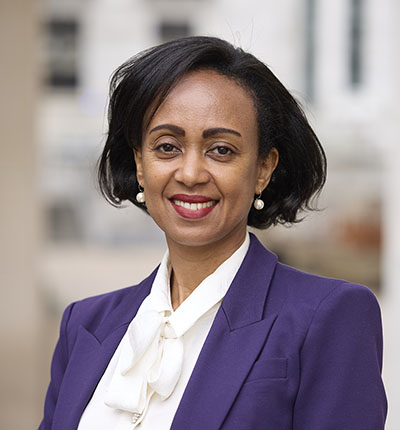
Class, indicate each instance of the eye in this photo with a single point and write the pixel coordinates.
(221, 151)
(167, 147)
(166, 150)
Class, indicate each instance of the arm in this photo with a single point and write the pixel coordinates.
(340, 364)
(58, 365)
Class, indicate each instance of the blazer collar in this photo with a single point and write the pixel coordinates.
(244, 302)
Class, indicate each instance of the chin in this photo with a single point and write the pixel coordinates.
(205, 236)
(193, 239)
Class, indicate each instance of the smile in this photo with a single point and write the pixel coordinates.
(192, 206)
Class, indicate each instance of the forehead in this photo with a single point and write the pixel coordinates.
(209, 97)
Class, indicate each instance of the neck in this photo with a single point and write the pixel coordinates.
(192, 264)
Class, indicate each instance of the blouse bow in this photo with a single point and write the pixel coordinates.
(150, 361)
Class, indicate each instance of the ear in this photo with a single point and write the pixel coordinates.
(137, 153)
(266, 167)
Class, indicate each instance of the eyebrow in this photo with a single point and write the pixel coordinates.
(219, 130)
(206, 133)
(174, 128)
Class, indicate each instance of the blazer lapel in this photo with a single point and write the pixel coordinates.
(234, 342)
(91, 355)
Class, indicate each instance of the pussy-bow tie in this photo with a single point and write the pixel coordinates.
(150, 360)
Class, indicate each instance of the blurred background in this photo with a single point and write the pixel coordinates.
(60, 241)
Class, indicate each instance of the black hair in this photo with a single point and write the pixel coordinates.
(141, 84)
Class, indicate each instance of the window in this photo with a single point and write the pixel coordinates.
(356, 42)
(61, 38)
(168, 30)
(62, 222)
(310, 50)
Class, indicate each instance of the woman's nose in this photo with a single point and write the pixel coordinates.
(192, 170)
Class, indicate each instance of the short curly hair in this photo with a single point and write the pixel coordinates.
(141, 84)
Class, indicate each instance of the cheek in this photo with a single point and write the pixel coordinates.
(237, 186)
(153, 174)
(242, 177)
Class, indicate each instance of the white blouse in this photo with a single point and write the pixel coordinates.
(148, 373)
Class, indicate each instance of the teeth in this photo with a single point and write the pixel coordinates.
(195, 206)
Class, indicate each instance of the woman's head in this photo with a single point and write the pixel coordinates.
(141, 85)
(199, 163)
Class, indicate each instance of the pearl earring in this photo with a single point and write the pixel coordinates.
(258, 203)
(140, 195)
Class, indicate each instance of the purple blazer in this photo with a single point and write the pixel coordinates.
(287, 351)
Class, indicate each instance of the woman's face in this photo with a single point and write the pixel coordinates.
(199, 164)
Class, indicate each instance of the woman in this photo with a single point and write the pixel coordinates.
(204, 138)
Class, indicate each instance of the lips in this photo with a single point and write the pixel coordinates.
(192, 206)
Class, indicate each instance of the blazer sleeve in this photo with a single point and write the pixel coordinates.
(58, 366)
(340, 364)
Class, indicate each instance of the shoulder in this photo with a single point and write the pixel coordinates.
(100, 305)
(314, 289)
(302, 292)
(319, 301)
(93, 311)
